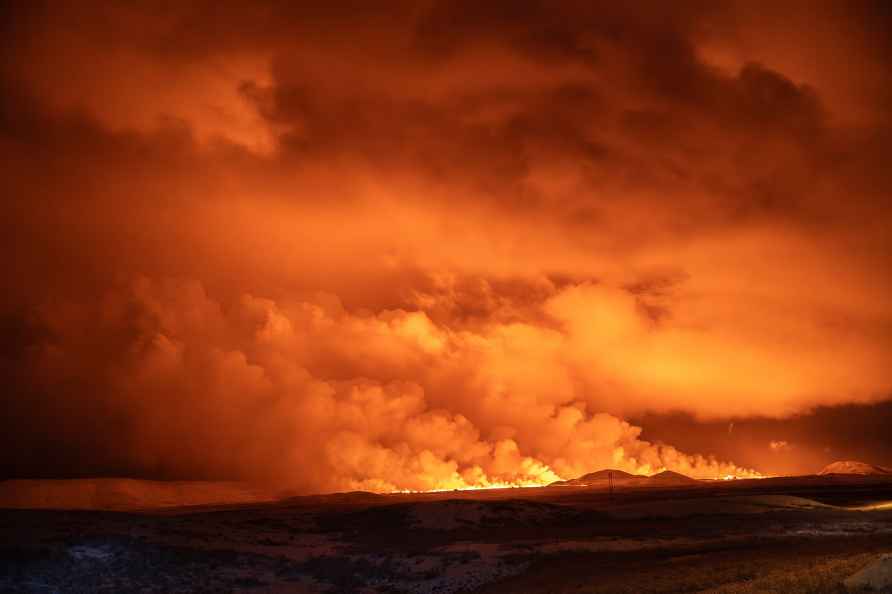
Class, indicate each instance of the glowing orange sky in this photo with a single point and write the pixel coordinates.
(440, 244)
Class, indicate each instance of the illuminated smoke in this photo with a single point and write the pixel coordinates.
(310, 395)
(438, 244)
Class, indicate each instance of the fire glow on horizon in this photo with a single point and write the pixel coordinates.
(544, 483)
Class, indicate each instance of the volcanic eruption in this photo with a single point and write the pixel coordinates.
(438, 246)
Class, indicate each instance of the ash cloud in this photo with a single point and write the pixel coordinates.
(508, 226)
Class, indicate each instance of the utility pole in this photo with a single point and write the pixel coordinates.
(610, 486)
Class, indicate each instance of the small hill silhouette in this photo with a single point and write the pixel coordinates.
(622, 478)
(601, 477)
(854, 467)
(668, 477)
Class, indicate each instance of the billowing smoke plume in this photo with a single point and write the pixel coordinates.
(313, 396)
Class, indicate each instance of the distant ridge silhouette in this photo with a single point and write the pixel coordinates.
(854, 467)
(622, 478)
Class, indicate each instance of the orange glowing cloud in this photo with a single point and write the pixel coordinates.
(439, 246)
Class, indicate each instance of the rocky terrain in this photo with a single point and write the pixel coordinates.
(676, 538)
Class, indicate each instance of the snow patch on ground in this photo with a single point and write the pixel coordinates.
(716, 506)
(102, 552)
(877, 577)
(444, 571)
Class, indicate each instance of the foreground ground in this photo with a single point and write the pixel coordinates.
(784, 535)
